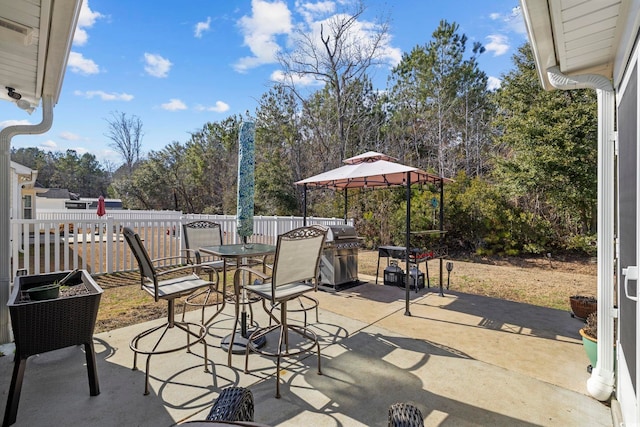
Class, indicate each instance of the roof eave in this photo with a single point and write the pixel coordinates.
(64, 18)
(537, 18)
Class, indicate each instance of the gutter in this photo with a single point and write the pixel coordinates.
(6, 135)
(600, 384)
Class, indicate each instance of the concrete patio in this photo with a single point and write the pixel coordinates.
(464, 360)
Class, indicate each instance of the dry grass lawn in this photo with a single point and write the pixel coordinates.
(536, 281)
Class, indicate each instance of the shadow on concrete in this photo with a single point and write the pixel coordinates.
(56, 391)
(359, 385)
(511, 317)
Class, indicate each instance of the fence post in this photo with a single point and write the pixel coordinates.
(110, 237)
(276, 230)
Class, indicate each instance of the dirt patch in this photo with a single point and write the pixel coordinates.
(534, 280)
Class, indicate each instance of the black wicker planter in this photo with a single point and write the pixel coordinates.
(47, 325)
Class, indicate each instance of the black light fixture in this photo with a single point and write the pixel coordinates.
(449, 268)
(17, 96)
(13, 94)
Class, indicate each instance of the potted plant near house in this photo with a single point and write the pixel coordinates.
(589, 334)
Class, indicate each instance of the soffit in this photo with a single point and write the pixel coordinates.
(578, 36)
(35, 40)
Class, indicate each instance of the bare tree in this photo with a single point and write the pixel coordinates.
(338, 52)
(126, 134)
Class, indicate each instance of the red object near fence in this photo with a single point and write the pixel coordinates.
(101, 207)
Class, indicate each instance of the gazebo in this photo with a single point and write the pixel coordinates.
(373, 170)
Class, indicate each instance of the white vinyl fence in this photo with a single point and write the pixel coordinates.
(66, 240)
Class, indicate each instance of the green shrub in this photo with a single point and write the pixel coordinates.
(585, 244)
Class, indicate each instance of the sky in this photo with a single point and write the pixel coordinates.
(178, 65)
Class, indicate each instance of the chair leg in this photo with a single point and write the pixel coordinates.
(269, 311)
(278, 370)
(314, 303)
(208, 293)
(187, 301)
(163, 330)
(146, 376)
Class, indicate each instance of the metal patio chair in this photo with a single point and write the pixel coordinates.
(294, 273)
(153, 341)
(197, 234)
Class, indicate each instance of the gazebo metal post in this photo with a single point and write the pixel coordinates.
(304, 206)
(407, 247)
(441, 229)
(345, 204)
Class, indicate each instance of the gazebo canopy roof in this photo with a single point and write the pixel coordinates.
(370, 169)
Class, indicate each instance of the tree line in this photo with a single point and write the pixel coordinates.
(523, 160)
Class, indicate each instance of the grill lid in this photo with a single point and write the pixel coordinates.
(341, 232)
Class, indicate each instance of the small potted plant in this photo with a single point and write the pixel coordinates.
(589, 335)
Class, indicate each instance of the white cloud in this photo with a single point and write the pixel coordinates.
(157, 66)
(311, 11)
(7, 123)
(86, 20)
(219, 107)
(390, 54)
(80, 150)
(174, 105)
(268, 20)
(70, 136)
(498, 44)
(80, 64)
(105, 96)
(80, 37)
(49, 145)
(516, 22)
(513, 21)
(303, 80)
(201, 27)
(494, 83)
